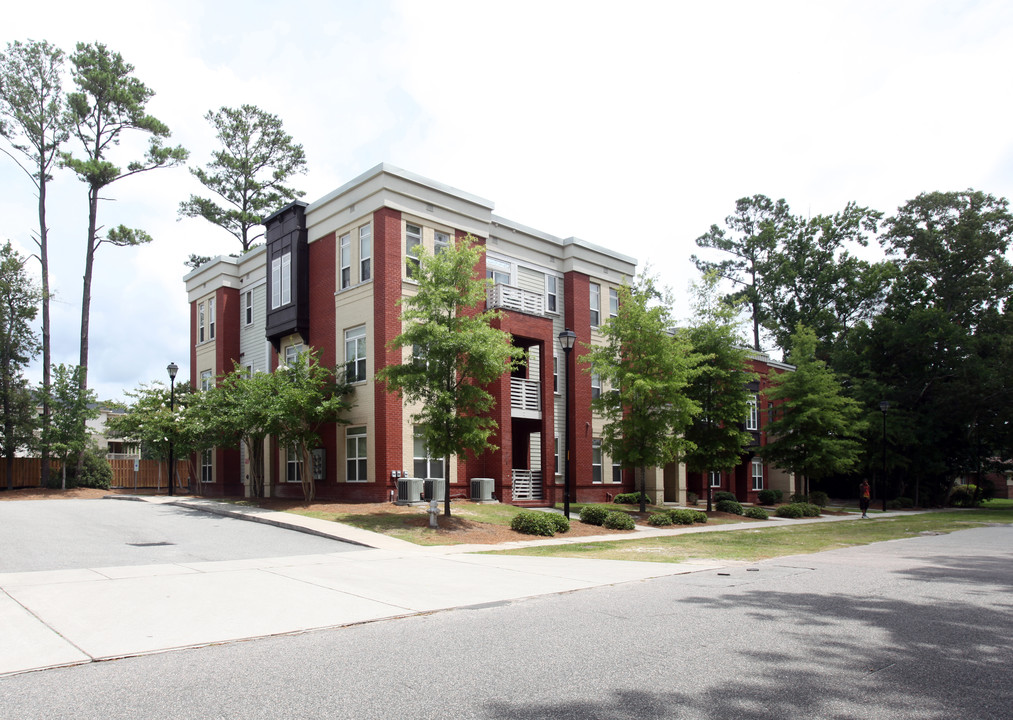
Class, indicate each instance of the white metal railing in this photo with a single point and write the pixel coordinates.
(527, 484)
(123, 456)
(525, 398)
(513, 298)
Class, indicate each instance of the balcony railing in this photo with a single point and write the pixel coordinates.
(513, 298)
(527, 484)
(525, 398)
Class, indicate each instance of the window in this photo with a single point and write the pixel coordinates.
(281, 280)
(200, 322)
(715, 478)
(211, 319)
(365, 251)
(413, 244)
(613, 302)
(595, 293)
(206, 468)
(292, 353)
(596, 460)
(551, 293)
(423, 465)
(555, 374)
(441, 243)
(346, 260)
(555, 455)
(595, 386)
(205, 380)
(617, 472)
(753, 418)
(757, 474)
(248, 306)
(293, 466)
(355, 354)
(355, 454)
(498, 271)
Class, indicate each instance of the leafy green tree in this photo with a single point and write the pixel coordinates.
(647, 370)
(249, 173)
(753, 235)
(32, 119)
(817, 433)
(456, 353)
(721, 385)
(109, 102)
(19, 303)
(67, 434)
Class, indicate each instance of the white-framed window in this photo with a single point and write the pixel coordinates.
(596, 460)
(365, 252)
(281, 280)
(595, 386)
(551, 293)
(355, 354)
(293, 466)
(617, 472)
(441, 242)
(595, 294)
(753, 417)
(715, 478)
(211, 319)
(248, 370)
(555, 374)
(200, 322)
(555, 456)
(757, 474)
(205, 380)
(292, 353)
(499, 271)
(413, 245)
(423, 465)
(248, 306)
(207, 473)
(613, 302)
(355, 454)
(345, 245)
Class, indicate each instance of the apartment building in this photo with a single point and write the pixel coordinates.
(329, 277)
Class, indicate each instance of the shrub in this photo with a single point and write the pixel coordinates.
(793, 510)
(779, 494)
(682, 517)
(618, 520)
(893, 505)
(766, 497)
(963, 496)
(723, 495)
(593, 514)
(632, 498)
(819, 498)
(729, 506)
(905, 502)
(559, 522)
(660, 519)
(691, 498)
(532, 522)
(798, 498)
(699, 516)
(95, 473)
(810, 510)
(756, 513)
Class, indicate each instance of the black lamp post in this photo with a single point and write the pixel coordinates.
(172, 368)
(566, 340)
(884, 406)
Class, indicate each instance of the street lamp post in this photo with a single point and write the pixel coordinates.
(566, 340)
(172, 368)
(884, 406)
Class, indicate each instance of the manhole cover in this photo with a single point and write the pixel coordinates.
(150, 544)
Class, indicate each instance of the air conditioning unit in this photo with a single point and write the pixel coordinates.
(481, 489)
(409, 491)
(435, 489)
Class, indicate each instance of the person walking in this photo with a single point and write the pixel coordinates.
(863, 498)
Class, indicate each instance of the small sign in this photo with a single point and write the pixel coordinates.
(137, 464)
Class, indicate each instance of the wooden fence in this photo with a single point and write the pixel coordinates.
(150, 473)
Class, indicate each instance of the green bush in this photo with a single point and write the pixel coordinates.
(723, 495)
(893, 505)
(810, 510)
(794, 510)
(729, 506)
(691, 498)
(905, 502)
(699, 516)
(95, 473)
(593, 514)
(559, 522)
(779, 494)
(632, 498)
(756, 513)
(963, 496)
(660, 519)
(532, 522)
(682, 517)
(819, 498)
(766, 497)
(618, 520)
(798, 498)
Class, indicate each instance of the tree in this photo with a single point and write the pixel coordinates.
(32, 119)
(721, 386)
(19, 303)
(67, 434)
(817, 432)
(456, 353)
(647, 369)
(249, 172)
(753, 235)
(109, 102)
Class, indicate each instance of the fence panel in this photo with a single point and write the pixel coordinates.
(150, 473)
(27, 471)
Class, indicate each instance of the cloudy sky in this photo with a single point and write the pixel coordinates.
(632, 125)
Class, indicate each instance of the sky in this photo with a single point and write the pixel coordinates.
(631, 125)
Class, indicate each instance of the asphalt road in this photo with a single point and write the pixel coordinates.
(68, 534)
(919, 629)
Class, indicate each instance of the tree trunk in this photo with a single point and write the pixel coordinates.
(446, 486)
(46, 351)
(643, 482)
(309, 486)
(89, 261)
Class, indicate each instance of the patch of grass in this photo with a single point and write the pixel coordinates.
(769, 542)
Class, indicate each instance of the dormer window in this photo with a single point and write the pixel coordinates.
(281, 280)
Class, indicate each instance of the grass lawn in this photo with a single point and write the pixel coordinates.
(761, 543)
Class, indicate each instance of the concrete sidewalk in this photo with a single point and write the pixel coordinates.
(66, 617)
